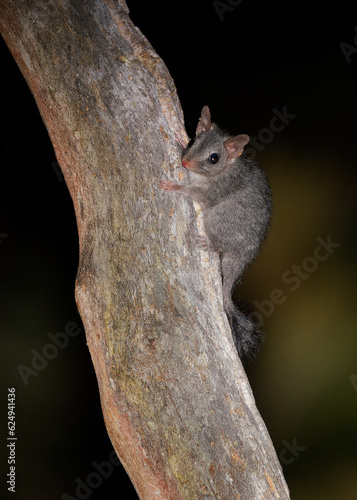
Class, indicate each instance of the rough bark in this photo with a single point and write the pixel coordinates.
(176, 401)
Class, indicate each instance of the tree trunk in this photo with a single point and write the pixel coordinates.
(176, 401)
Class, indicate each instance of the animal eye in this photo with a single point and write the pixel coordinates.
(213, 158)
(190, 143)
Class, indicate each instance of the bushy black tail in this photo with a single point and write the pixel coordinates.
(246, 335)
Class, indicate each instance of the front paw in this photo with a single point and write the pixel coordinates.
(168, 185)
(203, 243)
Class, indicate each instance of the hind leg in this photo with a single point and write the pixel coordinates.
(246, 334)
(232, 269)
(203, 243)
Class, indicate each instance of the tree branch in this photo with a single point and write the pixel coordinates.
(176, 401)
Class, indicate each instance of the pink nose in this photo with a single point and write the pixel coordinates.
(185, 163)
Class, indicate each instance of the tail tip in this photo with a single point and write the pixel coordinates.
(246, 335)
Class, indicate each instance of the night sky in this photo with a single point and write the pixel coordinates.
(288, 78)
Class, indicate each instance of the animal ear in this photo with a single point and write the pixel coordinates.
(235, 145)
(204, 123)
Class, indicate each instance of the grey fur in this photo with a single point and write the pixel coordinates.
(236, 204)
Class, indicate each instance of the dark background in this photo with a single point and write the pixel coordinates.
(257, 59)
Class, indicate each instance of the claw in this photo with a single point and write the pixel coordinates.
(203, 243)
(180, 142)
(167, 185)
